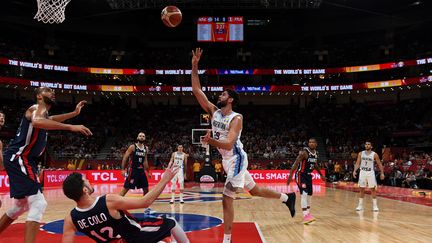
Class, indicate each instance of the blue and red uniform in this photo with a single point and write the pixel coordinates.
(20, 159)
(97, 223)
(304, 172)
(136, 175)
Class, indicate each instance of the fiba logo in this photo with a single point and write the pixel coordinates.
(206, 178)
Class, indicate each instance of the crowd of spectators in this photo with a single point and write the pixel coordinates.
(276, 138)
(279, 136)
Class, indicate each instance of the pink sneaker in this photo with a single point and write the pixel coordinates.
(308, 219)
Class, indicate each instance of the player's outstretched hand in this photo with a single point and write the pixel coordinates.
(382, 176)
(196, 55)
(205, 139)
(170, 171)
(354, 174)
(81, 129)
(79, 106)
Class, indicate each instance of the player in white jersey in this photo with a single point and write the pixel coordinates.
(365, 161)
(226, 127)
(179, 158)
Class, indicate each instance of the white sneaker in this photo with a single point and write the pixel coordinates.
(375, 208)
(171, 201)
(181, 201)
(359, 208)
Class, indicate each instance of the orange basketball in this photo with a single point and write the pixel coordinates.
(171, 16)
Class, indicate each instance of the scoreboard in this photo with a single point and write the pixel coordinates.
(220, 29)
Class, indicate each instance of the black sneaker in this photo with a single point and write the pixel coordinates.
(291, 203)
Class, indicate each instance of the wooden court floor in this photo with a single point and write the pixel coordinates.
(337, 221)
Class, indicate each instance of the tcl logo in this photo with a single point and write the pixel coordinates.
(104, 176)
(157, 175)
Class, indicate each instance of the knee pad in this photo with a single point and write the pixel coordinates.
(304, 199)
(37, 205)
(20, 206)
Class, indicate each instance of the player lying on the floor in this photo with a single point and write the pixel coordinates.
(105, 218)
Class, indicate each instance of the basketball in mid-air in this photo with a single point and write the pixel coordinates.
(171, 16)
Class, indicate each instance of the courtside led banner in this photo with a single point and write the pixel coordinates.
(279, 176)
(216, 71)
(55, 178)
(238, 88)
(4, 182)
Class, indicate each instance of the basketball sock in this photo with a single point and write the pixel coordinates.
(309, 202)
(172, 196)
(227, 238)
(374, 201)
(181, 196)
(305, 212)
(283, 197)
(360, 201)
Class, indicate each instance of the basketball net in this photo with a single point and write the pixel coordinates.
(51, 11)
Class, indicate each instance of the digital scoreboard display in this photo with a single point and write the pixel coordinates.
(220, 29)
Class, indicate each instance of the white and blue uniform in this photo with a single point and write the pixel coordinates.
(234, 161)
(179, 159)
(367, 173)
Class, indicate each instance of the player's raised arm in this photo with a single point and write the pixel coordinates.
(36, 114)
(67, 116)
(209, 107)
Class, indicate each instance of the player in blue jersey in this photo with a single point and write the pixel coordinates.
(105, 218)
(21, 155)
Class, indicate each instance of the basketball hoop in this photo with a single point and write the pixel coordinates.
(51, 11)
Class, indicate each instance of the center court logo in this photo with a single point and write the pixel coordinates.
(202, 196)
(189, 222)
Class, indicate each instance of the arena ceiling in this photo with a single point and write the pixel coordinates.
(279, 19)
